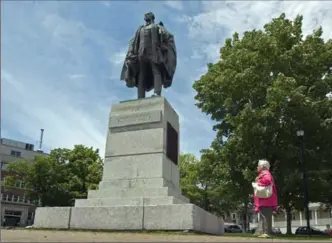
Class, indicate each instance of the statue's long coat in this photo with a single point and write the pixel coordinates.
(165, 58)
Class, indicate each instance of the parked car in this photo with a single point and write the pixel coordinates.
(275, 231)
(233, 228)
(313, 231)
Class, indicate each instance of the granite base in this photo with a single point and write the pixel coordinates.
(175, 217)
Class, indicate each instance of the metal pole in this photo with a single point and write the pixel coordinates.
(305, 184)
(41, 139)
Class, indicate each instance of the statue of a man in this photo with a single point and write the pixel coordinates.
(151, 59)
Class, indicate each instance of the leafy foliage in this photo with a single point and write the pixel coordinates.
(59, 178)
(266, 86)
(200, 182)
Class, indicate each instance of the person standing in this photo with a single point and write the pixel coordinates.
(265, 198)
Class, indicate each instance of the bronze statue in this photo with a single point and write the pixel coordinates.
(150, 62)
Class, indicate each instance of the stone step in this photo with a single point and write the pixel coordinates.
(135, 183)
(129, 193)
(139, 201)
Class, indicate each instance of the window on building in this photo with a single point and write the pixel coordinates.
(30, 214)
(18, 184)
(22, 185)
(310, 214)
(28, 146)
(15, 153)
(330, 213)
(234, 216)
(12, 212)
(8, 197)
(3, 165)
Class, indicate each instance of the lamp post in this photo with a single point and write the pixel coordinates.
(300, 134)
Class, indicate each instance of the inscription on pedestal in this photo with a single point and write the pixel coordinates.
(135, 119)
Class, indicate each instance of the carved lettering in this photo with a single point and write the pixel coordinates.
(135, 119)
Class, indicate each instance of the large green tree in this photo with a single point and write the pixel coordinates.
(268, 84)
(201, 182)
(56, 180)
(44, 179)
(85, 167)
(232, 171)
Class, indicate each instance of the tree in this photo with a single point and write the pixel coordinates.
(188, 166)
(61, 177)
(85, 169)
(268, 84)
(43, 179)
(201, 183)
(236, 177)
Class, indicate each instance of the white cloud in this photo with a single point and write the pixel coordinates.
(64, 121)
(50, 82)
(219, 20)
(118, 57)
(106, 3)
(76, 76)
(174, 4)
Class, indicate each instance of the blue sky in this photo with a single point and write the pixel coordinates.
(61, 61)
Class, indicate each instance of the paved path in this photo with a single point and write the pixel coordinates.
(20, 235)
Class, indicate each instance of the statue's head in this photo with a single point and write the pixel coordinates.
(149, 17)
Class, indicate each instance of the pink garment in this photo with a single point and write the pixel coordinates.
(265, 178)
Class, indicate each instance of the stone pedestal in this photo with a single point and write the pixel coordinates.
(140, 185)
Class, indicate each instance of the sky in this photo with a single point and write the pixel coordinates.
(61, 61)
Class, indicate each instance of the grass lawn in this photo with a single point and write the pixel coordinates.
(286, 237)
(244, 235)
(157, 232)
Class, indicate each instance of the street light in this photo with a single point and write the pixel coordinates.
(300, 134)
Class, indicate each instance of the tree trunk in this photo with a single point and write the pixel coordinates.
(206, 199)
(83, 189)
(245, 217)
(289, 220)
